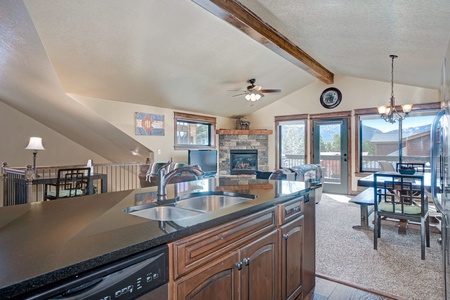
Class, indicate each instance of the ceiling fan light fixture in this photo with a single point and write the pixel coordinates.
(253, 96)
(256, 92)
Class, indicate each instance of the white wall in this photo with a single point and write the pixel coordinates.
(29, 84)
(16, 129)
(122, 114)
(356, 93)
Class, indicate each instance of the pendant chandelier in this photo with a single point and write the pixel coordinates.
(390, 113)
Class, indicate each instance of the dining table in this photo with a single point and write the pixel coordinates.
(52, 179)
(368, 180)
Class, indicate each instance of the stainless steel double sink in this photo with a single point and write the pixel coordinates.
(189, 205)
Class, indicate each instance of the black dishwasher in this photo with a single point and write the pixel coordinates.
(143, 274)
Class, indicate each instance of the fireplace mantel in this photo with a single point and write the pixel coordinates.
(239, 131)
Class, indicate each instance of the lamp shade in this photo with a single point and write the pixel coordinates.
(407, 108)
(381, 110)
(35, 143)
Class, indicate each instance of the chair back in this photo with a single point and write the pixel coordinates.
(386, 166)
(73, 182)
(400, 196)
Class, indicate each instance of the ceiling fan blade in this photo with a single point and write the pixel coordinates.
(239, 94)
(270, 91)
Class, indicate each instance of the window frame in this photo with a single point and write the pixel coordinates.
(374, 111)
(196, 119)
(290, 118)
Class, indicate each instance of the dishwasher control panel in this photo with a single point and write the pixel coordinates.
(127, 279)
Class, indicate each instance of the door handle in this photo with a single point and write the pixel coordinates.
(246, 261)
(239, 266)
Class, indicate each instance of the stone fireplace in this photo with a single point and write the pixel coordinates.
(231, 141)
(243, 161)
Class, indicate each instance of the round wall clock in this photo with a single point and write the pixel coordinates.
(330, 98)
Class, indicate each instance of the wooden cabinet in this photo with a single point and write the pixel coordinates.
(259, 272)
(291, 243)
(258, 256)
(290, 220)
(195, 251)
(247, 273)
(218, 280)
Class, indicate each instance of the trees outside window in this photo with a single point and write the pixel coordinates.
(194, 131)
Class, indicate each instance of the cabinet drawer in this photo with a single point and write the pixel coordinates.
(289, 210)
(196, 250)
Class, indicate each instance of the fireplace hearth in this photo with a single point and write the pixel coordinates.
(243, 161)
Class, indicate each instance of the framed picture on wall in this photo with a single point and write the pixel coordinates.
(330, 98)
(149, 124)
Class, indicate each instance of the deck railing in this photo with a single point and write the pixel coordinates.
(331, 164)
(19, 188)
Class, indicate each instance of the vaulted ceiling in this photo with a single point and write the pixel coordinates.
(176, 54)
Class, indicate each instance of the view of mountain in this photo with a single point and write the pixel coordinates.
(368, 132)
(327, 132)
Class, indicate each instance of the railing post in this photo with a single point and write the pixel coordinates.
(29, 176)
(5, 183)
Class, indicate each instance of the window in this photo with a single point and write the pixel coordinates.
(380, 141)
(194, 131)
(291, 134)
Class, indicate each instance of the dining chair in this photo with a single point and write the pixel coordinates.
(71, 182)
(386, 166)
(418, 167)
(401, 197)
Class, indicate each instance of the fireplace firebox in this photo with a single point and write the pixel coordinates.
(243, 161)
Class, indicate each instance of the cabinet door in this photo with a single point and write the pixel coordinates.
(217, 280)
(259, 278)
(291, 258)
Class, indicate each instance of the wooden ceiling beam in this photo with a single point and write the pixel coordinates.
(245, 20)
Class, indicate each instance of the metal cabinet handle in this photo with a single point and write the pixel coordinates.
(285, 236)
(246, 261)
(239, 266)
(296, 209)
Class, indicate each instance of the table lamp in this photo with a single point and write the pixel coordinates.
(35, 144)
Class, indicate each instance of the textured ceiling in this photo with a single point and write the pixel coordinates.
(177, 55)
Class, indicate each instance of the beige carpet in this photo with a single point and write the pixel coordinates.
(347, 255)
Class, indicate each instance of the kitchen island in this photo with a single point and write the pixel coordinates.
(44, 243)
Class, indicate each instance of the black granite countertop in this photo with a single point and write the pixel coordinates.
(44, 242)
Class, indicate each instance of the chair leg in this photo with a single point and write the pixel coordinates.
(375, 230)
(422, 238)
(379, 226)
(427, 230)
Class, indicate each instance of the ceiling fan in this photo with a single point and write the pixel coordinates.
(255, 92)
